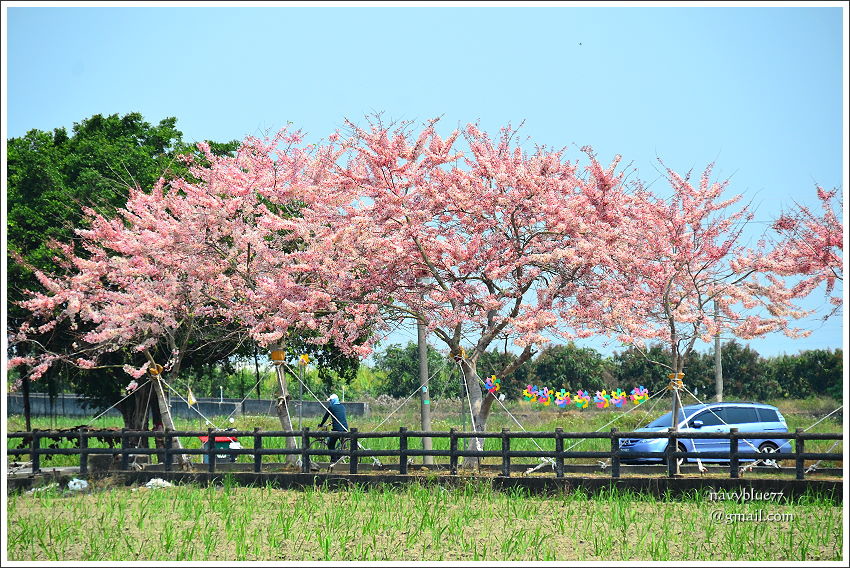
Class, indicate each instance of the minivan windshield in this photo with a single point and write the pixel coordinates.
(665, 420)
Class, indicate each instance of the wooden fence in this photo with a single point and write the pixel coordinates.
(355, 453)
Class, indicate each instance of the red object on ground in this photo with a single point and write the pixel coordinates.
(218, 439)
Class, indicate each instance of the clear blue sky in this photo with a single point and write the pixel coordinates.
(758, 90)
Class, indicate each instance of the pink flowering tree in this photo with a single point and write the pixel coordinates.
(811, 245)
(687, 258)
(481, 245)
(207, 258)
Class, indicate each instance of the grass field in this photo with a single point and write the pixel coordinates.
(446, 415)
(422, 521)
(418, 522)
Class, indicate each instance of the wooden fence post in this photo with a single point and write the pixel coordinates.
(799, 449)
(305, 447)
(352, 447)
(35, 452)
(672, 445)
(402, 446)
(211, 450)
(506, 448)
(615, 453)
(258, 445)
(733, 453)
(84, 454)
(168, 444)
(125, 453)
(559, 450)
(453, 451)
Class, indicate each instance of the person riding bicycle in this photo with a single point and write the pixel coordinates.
(335, 411)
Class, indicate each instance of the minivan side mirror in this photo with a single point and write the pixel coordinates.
(696, 423)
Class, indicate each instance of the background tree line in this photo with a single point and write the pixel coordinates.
(395, 372)
(746, 374)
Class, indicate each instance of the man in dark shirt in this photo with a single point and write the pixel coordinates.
(336, 412)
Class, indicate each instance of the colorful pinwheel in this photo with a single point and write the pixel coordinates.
(582, 399)
(602, 399)
(492, 384)
(563, 398)
(639, 395)
(619, 398)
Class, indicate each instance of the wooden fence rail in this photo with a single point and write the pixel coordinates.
(31, 445)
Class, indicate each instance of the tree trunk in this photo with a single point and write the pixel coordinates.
(282, 408)
(480, 408)
(678, 366)
(257, 372)
(425, 397)
(167, 421)
(134, 411)
(481, 400)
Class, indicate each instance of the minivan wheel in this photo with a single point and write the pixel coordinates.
(680, 447)
(769, 448)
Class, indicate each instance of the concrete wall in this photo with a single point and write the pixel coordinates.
(72, 405)
(62, 405)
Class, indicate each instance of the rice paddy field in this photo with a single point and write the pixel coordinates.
(422, 521)
(419, 522)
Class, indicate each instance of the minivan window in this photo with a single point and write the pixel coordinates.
(768, 415)
(740, 415)
(713, 417)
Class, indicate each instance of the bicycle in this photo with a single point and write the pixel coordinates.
(321, 443)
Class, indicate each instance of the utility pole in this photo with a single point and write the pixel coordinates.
(425, 406)
(718, 361)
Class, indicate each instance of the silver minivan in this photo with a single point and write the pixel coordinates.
(760, 419)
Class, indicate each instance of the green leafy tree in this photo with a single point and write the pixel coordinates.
(815, 372)
(744, 373)
(51, 177)
(823, 370)
(334, 369)
(637, 367)
(401, 365)
(571, 367)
